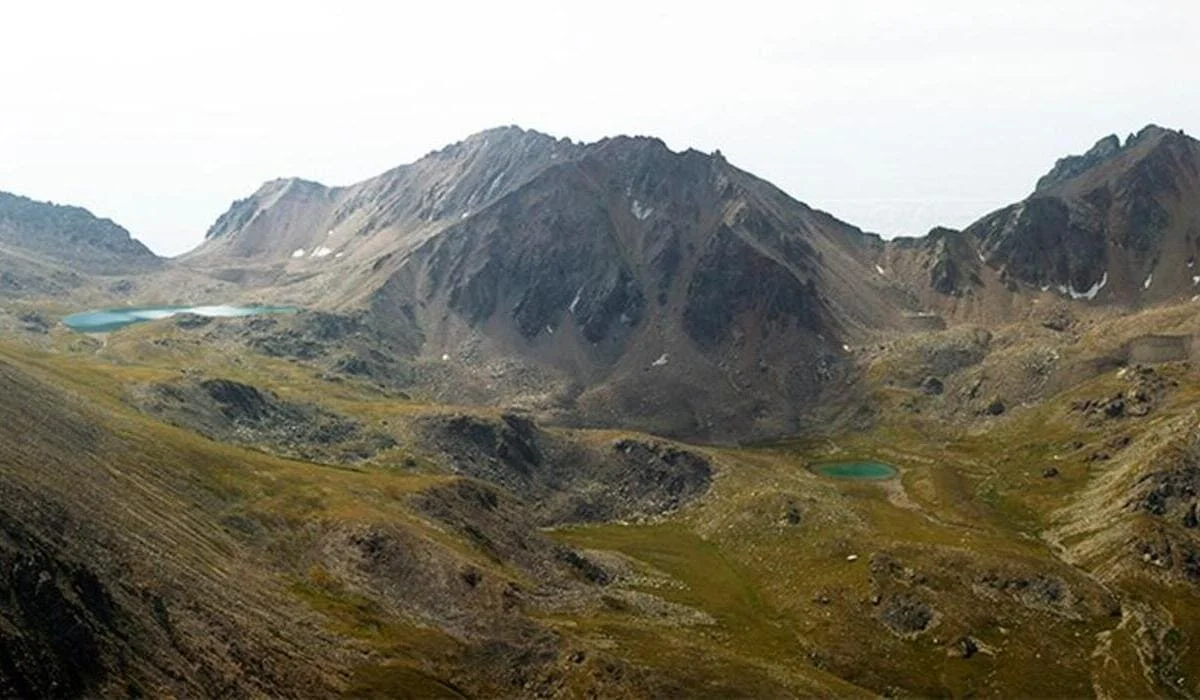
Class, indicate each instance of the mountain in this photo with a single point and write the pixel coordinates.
(297, 226)
(648, 285)
(1119, 224)
(48, 248)
(434, 480)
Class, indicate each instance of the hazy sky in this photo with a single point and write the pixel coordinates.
(892, 115)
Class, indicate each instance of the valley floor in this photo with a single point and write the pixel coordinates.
(379, 562)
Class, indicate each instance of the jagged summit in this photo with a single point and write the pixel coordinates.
(1118, 223)
(1070, 166)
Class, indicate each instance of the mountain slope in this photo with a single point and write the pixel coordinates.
(1120, 223)
(69, 235)
(48, 249)
(303, 226)
(669, 290)
(623, 273)
(621, 283)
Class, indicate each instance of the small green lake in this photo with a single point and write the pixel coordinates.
(105, 320)
(865, 470)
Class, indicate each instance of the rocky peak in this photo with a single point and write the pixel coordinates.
(1115, 214)
(1070, 166)
(1150, 132)
(491, 143)
(268, 195)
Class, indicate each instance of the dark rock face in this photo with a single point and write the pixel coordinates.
(564, 263)
(732, 280)
(239, 402)
(566, 482)
(996, 407)
(1043, 243)
(953, 264)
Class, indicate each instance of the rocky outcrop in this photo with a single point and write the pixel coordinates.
(906, 615)
(1170, 487)
(1146, 390)
(953, 264)
(231, 411)
(563, 480)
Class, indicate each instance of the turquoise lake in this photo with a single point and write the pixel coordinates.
(104, 320)
(862, 471)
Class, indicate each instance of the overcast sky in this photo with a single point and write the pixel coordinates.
(894, 116)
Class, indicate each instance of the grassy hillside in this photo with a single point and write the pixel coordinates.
(186, 565)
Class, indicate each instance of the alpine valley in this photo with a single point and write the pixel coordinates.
(539, 418)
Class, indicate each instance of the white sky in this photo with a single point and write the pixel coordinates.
(892, 115)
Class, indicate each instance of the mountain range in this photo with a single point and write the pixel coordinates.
(675, 292)
(550, 419)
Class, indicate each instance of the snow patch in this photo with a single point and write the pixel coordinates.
(575, 301)
(298, 253)
(661, 361)
(338, 255)
(465, 214)
(329, 233)
(445, 358)
(322, 252)
(642, 213)
(1149, 281)
(845, 347)
(880, 270)
(1089, 294)
(1195, 280)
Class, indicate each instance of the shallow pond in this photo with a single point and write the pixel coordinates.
(865, 470)
(104, 320)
